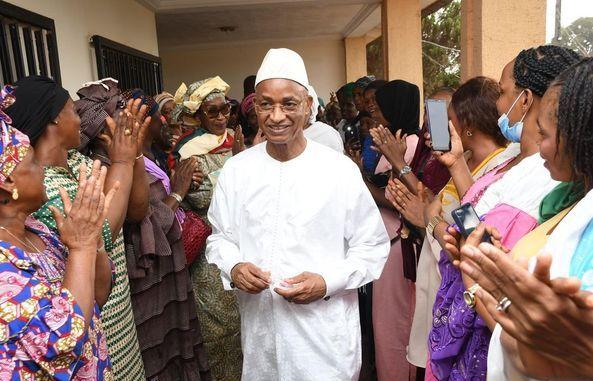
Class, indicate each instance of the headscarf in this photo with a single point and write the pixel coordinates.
(364, 81)
(248, 104)
(14, 145)
(98, 100)
(147, 100)
(347, 90)
(314, 104)
(189, 99)
(40, 100)
(163, 98)
(399, 102)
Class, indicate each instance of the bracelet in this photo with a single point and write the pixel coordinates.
(176, 196)
(434, 221)
(140, 156)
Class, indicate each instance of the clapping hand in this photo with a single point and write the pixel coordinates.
(81, 224)
(126, 133)
(392, 147)
(260, 137)
(239, 141)
(183, 175)
(539, 314)
(304, 288)
(410, 206)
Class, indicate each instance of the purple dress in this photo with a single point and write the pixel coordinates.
(459, 338)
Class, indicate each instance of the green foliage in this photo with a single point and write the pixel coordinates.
(577, 36)
(441, 44)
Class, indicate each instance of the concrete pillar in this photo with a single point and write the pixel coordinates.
(402, 40)
(356, 58)
(494, 32)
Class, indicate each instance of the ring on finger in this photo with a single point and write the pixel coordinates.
(127, 132)
(504, 304)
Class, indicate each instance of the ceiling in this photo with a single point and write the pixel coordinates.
(197, 22)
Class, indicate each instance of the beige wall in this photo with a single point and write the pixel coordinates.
(494, 32)
(324, 59)
(402, 40)
(124, 21)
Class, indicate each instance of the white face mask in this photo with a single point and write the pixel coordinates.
(511, 133)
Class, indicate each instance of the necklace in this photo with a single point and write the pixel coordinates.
(29, 243)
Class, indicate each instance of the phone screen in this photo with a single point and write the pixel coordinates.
(438, 124)
(467, 220)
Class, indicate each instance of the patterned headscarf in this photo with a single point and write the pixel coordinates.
(147, 100)
(189, 99)
(364, 81)
(163, 98)
(248, 104)
(15, 145)
(98, 100)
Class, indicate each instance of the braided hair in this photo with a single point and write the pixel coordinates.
(575, 117)
(536, 68)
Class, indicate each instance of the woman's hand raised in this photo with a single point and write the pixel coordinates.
(127, 133)
(81, 224)
(392, 147)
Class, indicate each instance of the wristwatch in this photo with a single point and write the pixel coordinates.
(404, 171)
(434, 221)
(469, 296)
(176, 196)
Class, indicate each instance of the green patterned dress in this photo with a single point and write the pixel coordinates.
(217, 309)
(116, 315)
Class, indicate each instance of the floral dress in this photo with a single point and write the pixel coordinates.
(117, 315)
(42, 334)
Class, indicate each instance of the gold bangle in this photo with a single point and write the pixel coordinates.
(140, 156)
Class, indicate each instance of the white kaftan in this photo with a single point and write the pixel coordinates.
(312, 213)
(325, 134)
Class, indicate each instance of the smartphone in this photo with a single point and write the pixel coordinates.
(467, 220)
(438, 124)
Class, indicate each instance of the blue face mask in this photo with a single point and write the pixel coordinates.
(511, 133)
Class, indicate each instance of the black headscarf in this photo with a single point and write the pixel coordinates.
(39, 100)
(399, 102)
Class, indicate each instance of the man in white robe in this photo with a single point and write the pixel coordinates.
(296, 231)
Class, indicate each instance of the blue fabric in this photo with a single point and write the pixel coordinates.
(370, 158)
(581, 264)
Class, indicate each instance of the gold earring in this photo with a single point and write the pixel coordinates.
(469, 133)
(15, 194)
(56, 122)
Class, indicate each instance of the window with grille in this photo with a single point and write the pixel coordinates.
(132, 68)
(28, 45)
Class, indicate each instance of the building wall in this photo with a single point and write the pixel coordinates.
(324, 59)
(123, 21)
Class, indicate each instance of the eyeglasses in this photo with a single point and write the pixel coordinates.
(212, 112)
(288, 107)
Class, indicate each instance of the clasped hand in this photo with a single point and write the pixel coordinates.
(304, 288)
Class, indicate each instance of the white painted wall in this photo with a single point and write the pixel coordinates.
(123, 21)
(324, 58)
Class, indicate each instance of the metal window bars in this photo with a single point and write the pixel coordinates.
(131, 67)
(28, 45)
